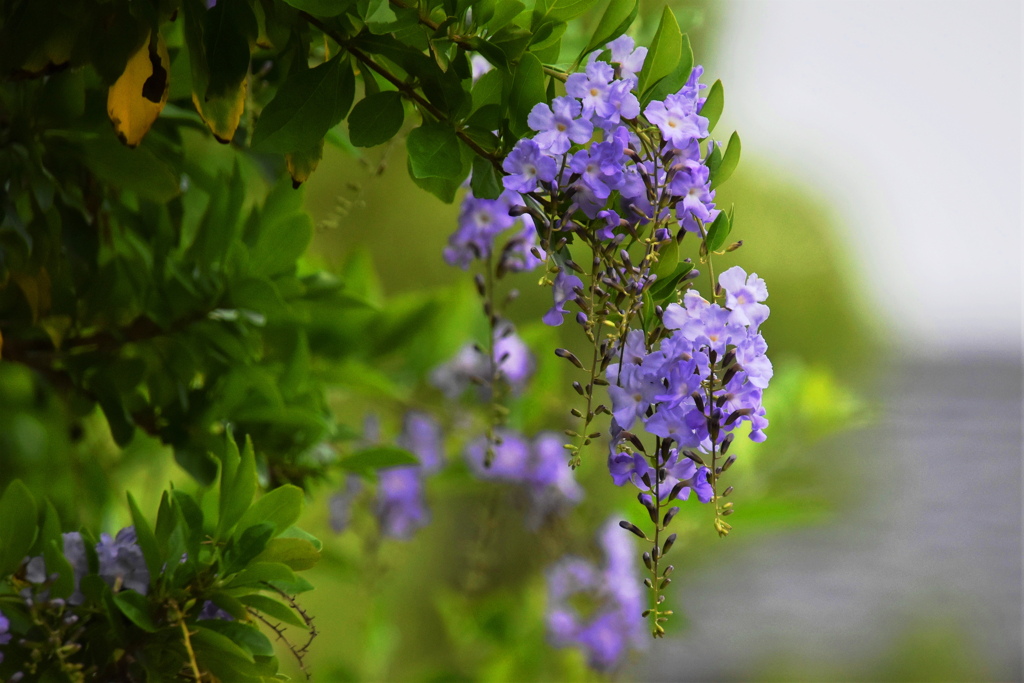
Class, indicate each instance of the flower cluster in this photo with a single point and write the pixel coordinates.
(538, 466)
(481, 221)
(706, 377)
(513, 364)
(400, 506)
(613, 625)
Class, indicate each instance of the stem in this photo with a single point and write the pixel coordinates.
(594, 331)
(188, 648)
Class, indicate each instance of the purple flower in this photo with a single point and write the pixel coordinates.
(527, 166)
(693, 186)
(701, 486)
(479, 66)
(515, 364)
(600, 167)
(564, 290)
(400, 507)
(421, 435)
(510, 459)
(592, 88)
(677, 120)
(518, 255)
(121, 561)
(743, 296)
(615, 624)
(211, 611)
(340, 504)
(557, 126)
(480, 221)
(630, 60)
(629, 467)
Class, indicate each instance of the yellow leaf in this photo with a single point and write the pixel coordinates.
(138, 96)
(302, 164)
(223, 113)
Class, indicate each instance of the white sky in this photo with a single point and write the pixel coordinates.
(906, 116)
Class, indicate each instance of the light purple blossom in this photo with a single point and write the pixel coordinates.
(121, 562)
(615, 625)
(564, 290)
(630, 60)
(526, 166)
(400, 507)
(557, 126)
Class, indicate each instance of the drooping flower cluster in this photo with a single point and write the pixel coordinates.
(538, 466)
(481, 221)
(400, 505)
(706, 377)
(513, 364)
(613, 625)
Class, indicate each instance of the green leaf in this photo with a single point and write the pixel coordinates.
(668, 258)
(487, 90)
(237, 486)
(376, 119)
(204, 636)
(666, 49)
(675, 80)
(246, 635)
(146, 540)
(504, 12)
(665, 288)
(485, 182)
(713, 105)
(306, 106)
(730, 160)
(281, 508)
(617, 18)
(377, 458)
(132, 170)
(321, 8)
(434, 151)
(18, 515)
(719, 231)
(272, 608)
(262, 572)
(527, 90)
(252, 542)
(136, 607)
(297, 553)
(227, 30)
(296, 532)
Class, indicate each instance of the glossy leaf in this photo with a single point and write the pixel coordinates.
(136, 607)
(306, 106)
(377, 458)
(146, 539)
(321, 8)
(434, 151)
(730, 160)
(280, 507)
(617, 18)
(527, 90)
(17, 526)
(719, 231)
(376, 119)
(665, 51)
(714, 104)
(272, 608)
(297, 553)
